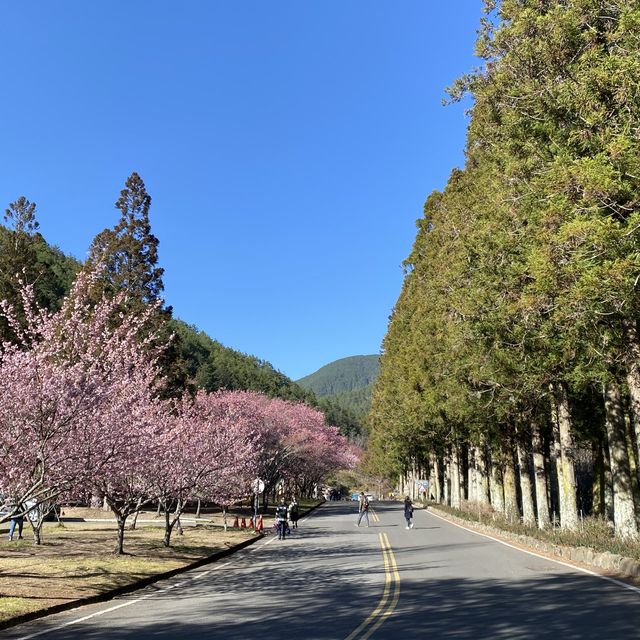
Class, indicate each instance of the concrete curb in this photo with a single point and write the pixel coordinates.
(611, 563)
(134, 586)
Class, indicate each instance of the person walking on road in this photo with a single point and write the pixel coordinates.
(281, 519)
(364, 509)
(408, 512)
(294, 513)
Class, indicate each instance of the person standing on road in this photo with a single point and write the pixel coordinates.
(364, 509)
(408, 512)
(294, 512)
(281, 519)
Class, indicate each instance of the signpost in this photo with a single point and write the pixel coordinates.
(422, 486)
(258, 487)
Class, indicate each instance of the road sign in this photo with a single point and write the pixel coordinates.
(422, 485)
(257, 485)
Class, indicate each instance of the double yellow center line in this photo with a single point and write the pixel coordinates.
(389, 598)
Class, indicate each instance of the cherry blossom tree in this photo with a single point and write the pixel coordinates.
(80, 411)
(40, 407)
(295, 445)
(206, 453)
(309, 449)
(231, 425)
(78, 406)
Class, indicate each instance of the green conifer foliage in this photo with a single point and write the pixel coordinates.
(129, 251)
(520, 301)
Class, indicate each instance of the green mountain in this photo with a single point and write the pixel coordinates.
(346, 383)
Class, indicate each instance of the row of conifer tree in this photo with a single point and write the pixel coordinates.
(510, 370)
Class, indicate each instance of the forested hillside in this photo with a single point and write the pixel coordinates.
(510, 372)
(193, 360)
(207, 364)
(342, 375)
(346, 383)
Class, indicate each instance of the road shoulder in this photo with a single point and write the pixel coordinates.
(606, 565)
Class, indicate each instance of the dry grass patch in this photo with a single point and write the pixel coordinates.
(76, 561)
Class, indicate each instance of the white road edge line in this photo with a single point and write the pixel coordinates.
(537, 555)
(118, 606)
(93, 615)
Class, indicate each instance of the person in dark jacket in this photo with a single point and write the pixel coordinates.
(408, 512)
(281, 519)
(294, 513)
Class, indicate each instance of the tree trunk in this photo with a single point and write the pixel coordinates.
(597, 504)
(511, 511)
(554, 468)
(472, 482)
(411, 482)
(198, 508)
(455, 477)
(168, 527)
(540, 477)
(436, 475)
(634, 458)
(566, 460)
(608, 484)
(122, 521)
(447, 481)
(36, 527)
(496, 485)
(631, 355)
(132, 526)
(176, 516)
(524, 472)
(482, 479)
(624, 518)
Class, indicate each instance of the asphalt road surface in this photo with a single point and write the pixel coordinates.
(333, 581)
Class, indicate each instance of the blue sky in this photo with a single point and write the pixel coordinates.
(288, 147)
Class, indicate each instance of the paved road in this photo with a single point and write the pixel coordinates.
(333, 581)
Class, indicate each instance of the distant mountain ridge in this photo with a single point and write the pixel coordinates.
(346, 382)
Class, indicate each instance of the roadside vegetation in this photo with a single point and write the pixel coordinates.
(593, 532)
(510, 373)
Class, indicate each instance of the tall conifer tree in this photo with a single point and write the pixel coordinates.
(129, 251)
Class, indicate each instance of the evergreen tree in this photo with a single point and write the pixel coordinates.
(129, 251)
(25, 256)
